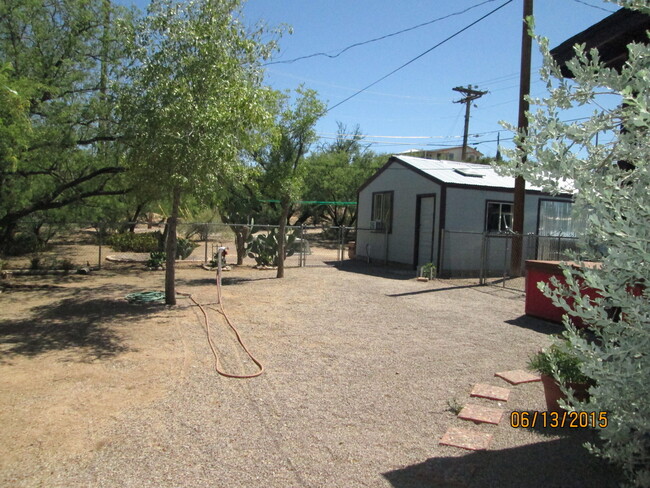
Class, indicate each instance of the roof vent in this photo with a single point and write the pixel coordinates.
(472, 173)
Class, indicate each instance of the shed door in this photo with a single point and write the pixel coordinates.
(424, 229)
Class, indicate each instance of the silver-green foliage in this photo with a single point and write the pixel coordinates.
(615, 202)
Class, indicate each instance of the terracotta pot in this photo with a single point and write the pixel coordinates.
(553, 393)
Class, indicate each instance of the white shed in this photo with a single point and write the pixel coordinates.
(408, 204)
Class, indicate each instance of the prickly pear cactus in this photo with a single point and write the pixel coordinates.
(263, 248)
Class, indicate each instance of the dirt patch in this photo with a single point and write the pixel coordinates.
(361, 369)
(73, 355)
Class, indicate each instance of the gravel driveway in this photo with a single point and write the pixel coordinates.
(362, 372)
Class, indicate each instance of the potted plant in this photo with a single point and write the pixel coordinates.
(556, 365)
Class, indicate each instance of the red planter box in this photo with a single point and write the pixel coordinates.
(541, 306)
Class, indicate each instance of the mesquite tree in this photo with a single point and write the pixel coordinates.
(193, 102)
(611, 179)
(59, 61)
(283, 159)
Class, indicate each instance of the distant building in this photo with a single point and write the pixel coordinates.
(445, 154)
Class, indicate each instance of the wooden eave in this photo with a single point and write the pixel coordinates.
(610, 36)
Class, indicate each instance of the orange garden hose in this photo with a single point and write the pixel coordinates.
(217, 365)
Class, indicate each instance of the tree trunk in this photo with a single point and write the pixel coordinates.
(170, 249)
(136, 214)
(241, 234)
(282, 231)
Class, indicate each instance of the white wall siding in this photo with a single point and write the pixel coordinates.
(465, 223)
(406, 185)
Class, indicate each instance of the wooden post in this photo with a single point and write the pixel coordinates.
(520, 183)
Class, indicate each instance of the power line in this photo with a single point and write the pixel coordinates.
(594, 6)
(369, 41)
(429, 145)
(416, 58)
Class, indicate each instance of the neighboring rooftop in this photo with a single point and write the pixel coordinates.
(445, 153)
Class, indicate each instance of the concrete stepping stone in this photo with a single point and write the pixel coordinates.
(490, 392)
(466, 439)
(480, 414)
(518, 376)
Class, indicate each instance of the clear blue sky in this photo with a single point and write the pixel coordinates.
(415, 103)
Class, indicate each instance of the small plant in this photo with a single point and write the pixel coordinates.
(184, 248)
(428, 271)
(35, 263)
(66, 265)
(454, 406)
(557, 363)
(156, 260)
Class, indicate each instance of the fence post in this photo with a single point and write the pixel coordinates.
(442, 253)
(302, 262)
(207, 235)
(101, 237)
(341, 245)
(505, 261)
(481, 279)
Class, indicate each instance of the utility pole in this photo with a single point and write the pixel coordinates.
(470, 95)
(522, 127)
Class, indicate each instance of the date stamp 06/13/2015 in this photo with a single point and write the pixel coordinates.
(574, 420)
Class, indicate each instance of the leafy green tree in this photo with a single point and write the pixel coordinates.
(283, 160)
(57, 61)
(612, 180)
(240, 206)
(334, 174)
(193, 102)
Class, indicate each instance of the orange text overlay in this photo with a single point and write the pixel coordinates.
(554, 420)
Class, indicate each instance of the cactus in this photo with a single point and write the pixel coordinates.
(264, 248)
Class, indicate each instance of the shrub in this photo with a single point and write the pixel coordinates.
(66, 265)
(132, 242)
(23, 243)
(611, 182)
(156, 259)
(184, 248)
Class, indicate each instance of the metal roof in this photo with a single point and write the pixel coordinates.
(459, 173)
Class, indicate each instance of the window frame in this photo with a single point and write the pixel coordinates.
(575, 226)
(501, 203)
(373, 214)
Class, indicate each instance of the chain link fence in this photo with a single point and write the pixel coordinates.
(71, 247)
(499, 259)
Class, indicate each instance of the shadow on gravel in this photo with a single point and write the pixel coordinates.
(81, 322)
(225, 281)
(537, 325)
(355, 266)
(558, 463)
(433, 290)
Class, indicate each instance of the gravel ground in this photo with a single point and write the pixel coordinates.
(361, 371)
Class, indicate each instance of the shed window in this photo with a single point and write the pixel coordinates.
(498, 217)
(555, 219)
(382, 211)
